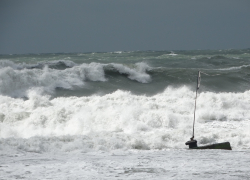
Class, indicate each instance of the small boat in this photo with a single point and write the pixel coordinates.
(193, 143)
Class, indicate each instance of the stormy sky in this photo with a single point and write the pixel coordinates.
(54, 26)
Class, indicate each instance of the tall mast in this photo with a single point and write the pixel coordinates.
(197, 88)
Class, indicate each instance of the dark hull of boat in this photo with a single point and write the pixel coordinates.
(224, 145)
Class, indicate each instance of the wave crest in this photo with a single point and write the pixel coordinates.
(17, 79)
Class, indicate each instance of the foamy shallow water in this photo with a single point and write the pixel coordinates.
(132, 164)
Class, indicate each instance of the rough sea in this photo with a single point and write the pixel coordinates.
(124, 115)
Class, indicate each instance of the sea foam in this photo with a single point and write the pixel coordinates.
(121, 120)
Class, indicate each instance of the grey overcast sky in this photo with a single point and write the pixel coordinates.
(52, 26)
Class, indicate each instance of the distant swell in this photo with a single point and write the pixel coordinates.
(59, 64)
(234, 68)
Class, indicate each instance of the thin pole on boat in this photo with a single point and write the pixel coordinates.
(198, 86)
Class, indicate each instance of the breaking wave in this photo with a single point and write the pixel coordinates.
(17, 79)
(121, 120)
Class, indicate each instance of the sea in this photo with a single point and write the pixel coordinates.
(124, 115)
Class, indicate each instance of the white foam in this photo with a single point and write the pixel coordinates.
(172, 54)
(234, 68)
(139, 73)
(122, 120)
(118, 52)
(8, 63)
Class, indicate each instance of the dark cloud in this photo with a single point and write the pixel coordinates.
(45, 26)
